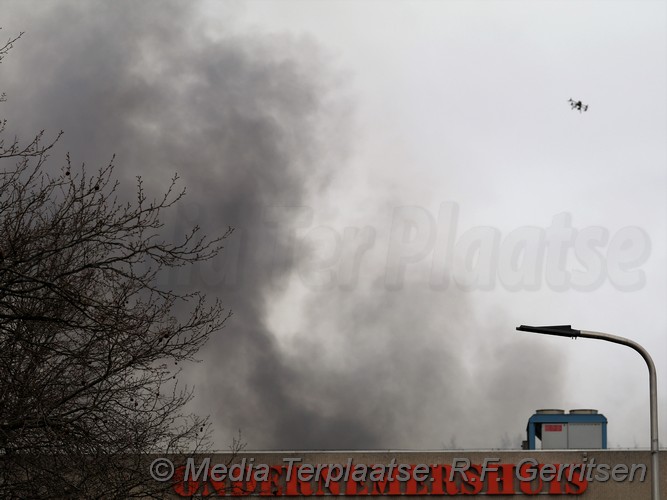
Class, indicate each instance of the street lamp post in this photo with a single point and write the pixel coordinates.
(568, 331)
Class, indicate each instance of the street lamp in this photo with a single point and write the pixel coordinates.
(568, 331)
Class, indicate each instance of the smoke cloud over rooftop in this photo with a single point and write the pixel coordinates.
(329, 345)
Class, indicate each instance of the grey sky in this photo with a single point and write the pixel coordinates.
(331, 134)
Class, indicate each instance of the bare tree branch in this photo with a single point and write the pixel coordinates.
(89, 341)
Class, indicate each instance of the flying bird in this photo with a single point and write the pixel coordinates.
(578, 105)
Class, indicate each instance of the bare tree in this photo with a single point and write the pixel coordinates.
(90, 342)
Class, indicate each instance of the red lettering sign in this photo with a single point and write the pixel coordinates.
(386, 480)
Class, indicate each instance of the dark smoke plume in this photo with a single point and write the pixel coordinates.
(251, 124)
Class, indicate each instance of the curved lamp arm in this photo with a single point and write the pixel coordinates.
(568, 331)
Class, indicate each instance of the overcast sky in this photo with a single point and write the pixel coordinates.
(408, 184)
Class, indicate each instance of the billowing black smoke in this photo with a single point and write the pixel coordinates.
(250, 124)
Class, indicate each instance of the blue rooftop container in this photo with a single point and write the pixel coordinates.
(557, 430)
